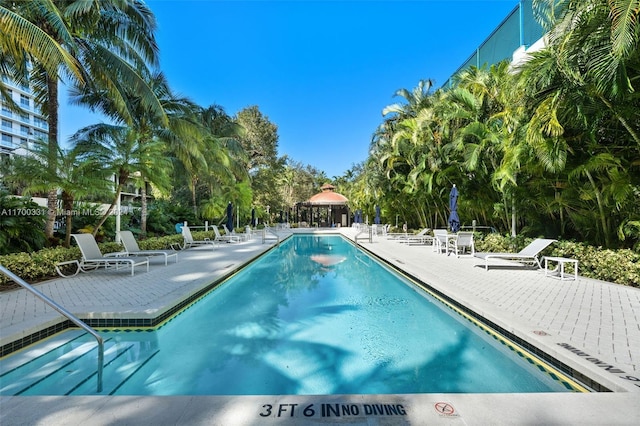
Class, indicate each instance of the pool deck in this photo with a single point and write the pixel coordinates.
(591, 326)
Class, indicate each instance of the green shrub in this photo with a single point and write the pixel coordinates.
(160, 243)
(21, 224)
(619, 266)
(498, 243)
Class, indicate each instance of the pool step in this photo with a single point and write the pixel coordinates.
(57, 363)
(36, 355)
(116, 373)
(69, 367)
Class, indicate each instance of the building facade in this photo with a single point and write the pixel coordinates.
(20, 129)
(518, 34)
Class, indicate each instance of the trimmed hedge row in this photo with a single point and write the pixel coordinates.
(40, 265)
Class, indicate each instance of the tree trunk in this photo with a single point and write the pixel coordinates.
(513, 216)
(67, 206)
(122, 180)
(52, 208)
(143, 210)
(601, 213)
(52, 112)
(108, 212)
(193, 197)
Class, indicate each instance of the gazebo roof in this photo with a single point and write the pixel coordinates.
(327, 197)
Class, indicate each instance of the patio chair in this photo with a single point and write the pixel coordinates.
(250, 233)
(226, 238)
(440, 240)
(131, 247)
(92, 257)
(419, 238)
(189, 242)
(461, 244)
(528, 255)
(241, 236)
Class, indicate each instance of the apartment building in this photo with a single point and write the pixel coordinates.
(20, 129)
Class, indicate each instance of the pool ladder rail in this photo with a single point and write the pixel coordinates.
(269, 234)
(365, 230)
(68, 315)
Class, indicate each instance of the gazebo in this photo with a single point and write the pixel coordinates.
(325, 209)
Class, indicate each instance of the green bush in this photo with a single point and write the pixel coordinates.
(21, 224)
(161, 243)
(619, 266)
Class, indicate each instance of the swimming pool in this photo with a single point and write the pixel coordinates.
(314, 316)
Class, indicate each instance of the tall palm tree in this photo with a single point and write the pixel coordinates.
(119, 150)
(183, 133)
(104, 43)
(224, 167)
(23, 41)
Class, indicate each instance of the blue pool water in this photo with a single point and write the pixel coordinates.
(313, 316)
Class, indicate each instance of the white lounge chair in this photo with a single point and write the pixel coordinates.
(131, 247)
(189, 242)
(528, 255)
(241, 236)
(419, 238)
(92, 257)
(440, 240)
(226, 238)
(461, 244)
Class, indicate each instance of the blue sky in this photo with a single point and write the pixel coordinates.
(322, 71)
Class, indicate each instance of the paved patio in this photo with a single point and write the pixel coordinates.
(590, 326)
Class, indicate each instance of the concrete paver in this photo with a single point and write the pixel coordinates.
(585, 314)
(591, 326)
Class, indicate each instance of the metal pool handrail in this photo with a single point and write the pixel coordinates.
(266, 230)
(368, 230)
(67, 314)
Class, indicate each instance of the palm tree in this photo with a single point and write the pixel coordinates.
(23, 41)
(75, 177)
(119, 150)
(223, 169)
(595, 47)
(99, 44)
(581, 92)
(415, 100)
(183, 133)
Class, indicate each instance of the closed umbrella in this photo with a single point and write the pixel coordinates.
(253, 217)
(230, 216)
(376, 220)
(454, 220)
